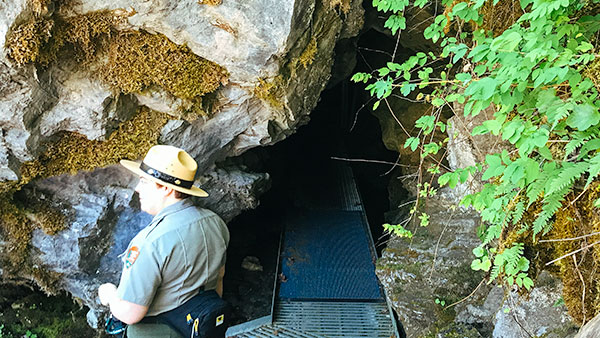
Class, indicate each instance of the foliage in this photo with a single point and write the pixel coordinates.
(538, 76)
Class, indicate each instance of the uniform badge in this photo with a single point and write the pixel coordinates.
(131, 256)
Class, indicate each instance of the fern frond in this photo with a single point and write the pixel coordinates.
(537, 187)
(518, 212)
(578, 139)
(495, 272)
(513, 254)
(492, 232)
(567, 175)
(594, 169)
(552, 203)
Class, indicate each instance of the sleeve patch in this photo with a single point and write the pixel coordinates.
(131, 256)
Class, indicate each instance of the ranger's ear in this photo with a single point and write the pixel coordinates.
(167, 191)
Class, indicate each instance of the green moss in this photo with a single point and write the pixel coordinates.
(497, 16)
(40, 40)
(577, 217)
(138, 60)
(86, 33)
(41, 7)
(452, 330)
(45, 217)
(272, 90)
(25, 41)
(47, 317)
(73, 152)
(17, 230)
(308, 55)
(135, 60)
(46, 280)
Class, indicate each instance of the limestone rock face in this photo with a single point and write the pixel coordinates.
(278, 56)
(511, 314)
(435, 264)
(84, 105)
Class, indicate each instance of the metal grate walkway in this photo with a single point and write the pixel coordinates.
(327, 285)
(328, 319)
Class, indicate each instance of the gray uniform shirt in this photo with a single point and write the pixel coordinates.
(167, 262)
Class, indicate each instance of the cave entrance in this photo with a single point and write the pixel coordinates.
(314, 169)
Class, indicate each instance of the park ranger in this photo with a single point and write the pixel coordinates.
(181, 252)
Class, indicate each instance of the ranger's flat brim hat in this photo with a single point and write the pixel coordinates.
(169, 166)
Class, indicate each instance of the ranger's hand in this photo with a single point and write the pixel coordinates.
(106, 292)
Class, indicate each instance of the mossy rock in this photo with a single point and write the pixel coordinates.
(137, 60)
(68, 154)
(45, 317)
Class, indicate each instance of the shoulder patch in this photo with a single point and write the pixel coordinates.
(132, 255)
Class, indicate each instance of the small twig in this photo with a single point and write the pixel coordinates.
(358, 111)
(394, 166)
(396, 118)
(467, 297)
(406, 203)
(583, 292)
(569, 239)
(369, 161)
(573, 252)
(514, 315)
(578, 196)
(375, 50)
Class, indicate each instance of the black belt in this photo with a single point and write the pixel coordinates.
(156, 319)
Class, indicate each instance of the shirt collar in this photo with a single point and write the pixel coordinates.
(175, 207)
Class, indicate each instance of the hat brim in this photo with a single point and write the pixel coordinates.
(135, 168)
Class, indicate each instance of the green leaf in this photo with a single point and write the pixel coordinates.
(585, 46)
(437, 102)
(395, 22)
(412, 142)
(493, 126)
(583, 116)
(383, 71)
(424, 219)
(545, 153)
(523, 264)
(479, 252)
(506, 42)
(463, 77)
(495, 167)
(591, 145)
(482, 89)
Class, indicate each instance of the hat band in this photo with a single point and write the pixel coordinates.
(165, 177)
